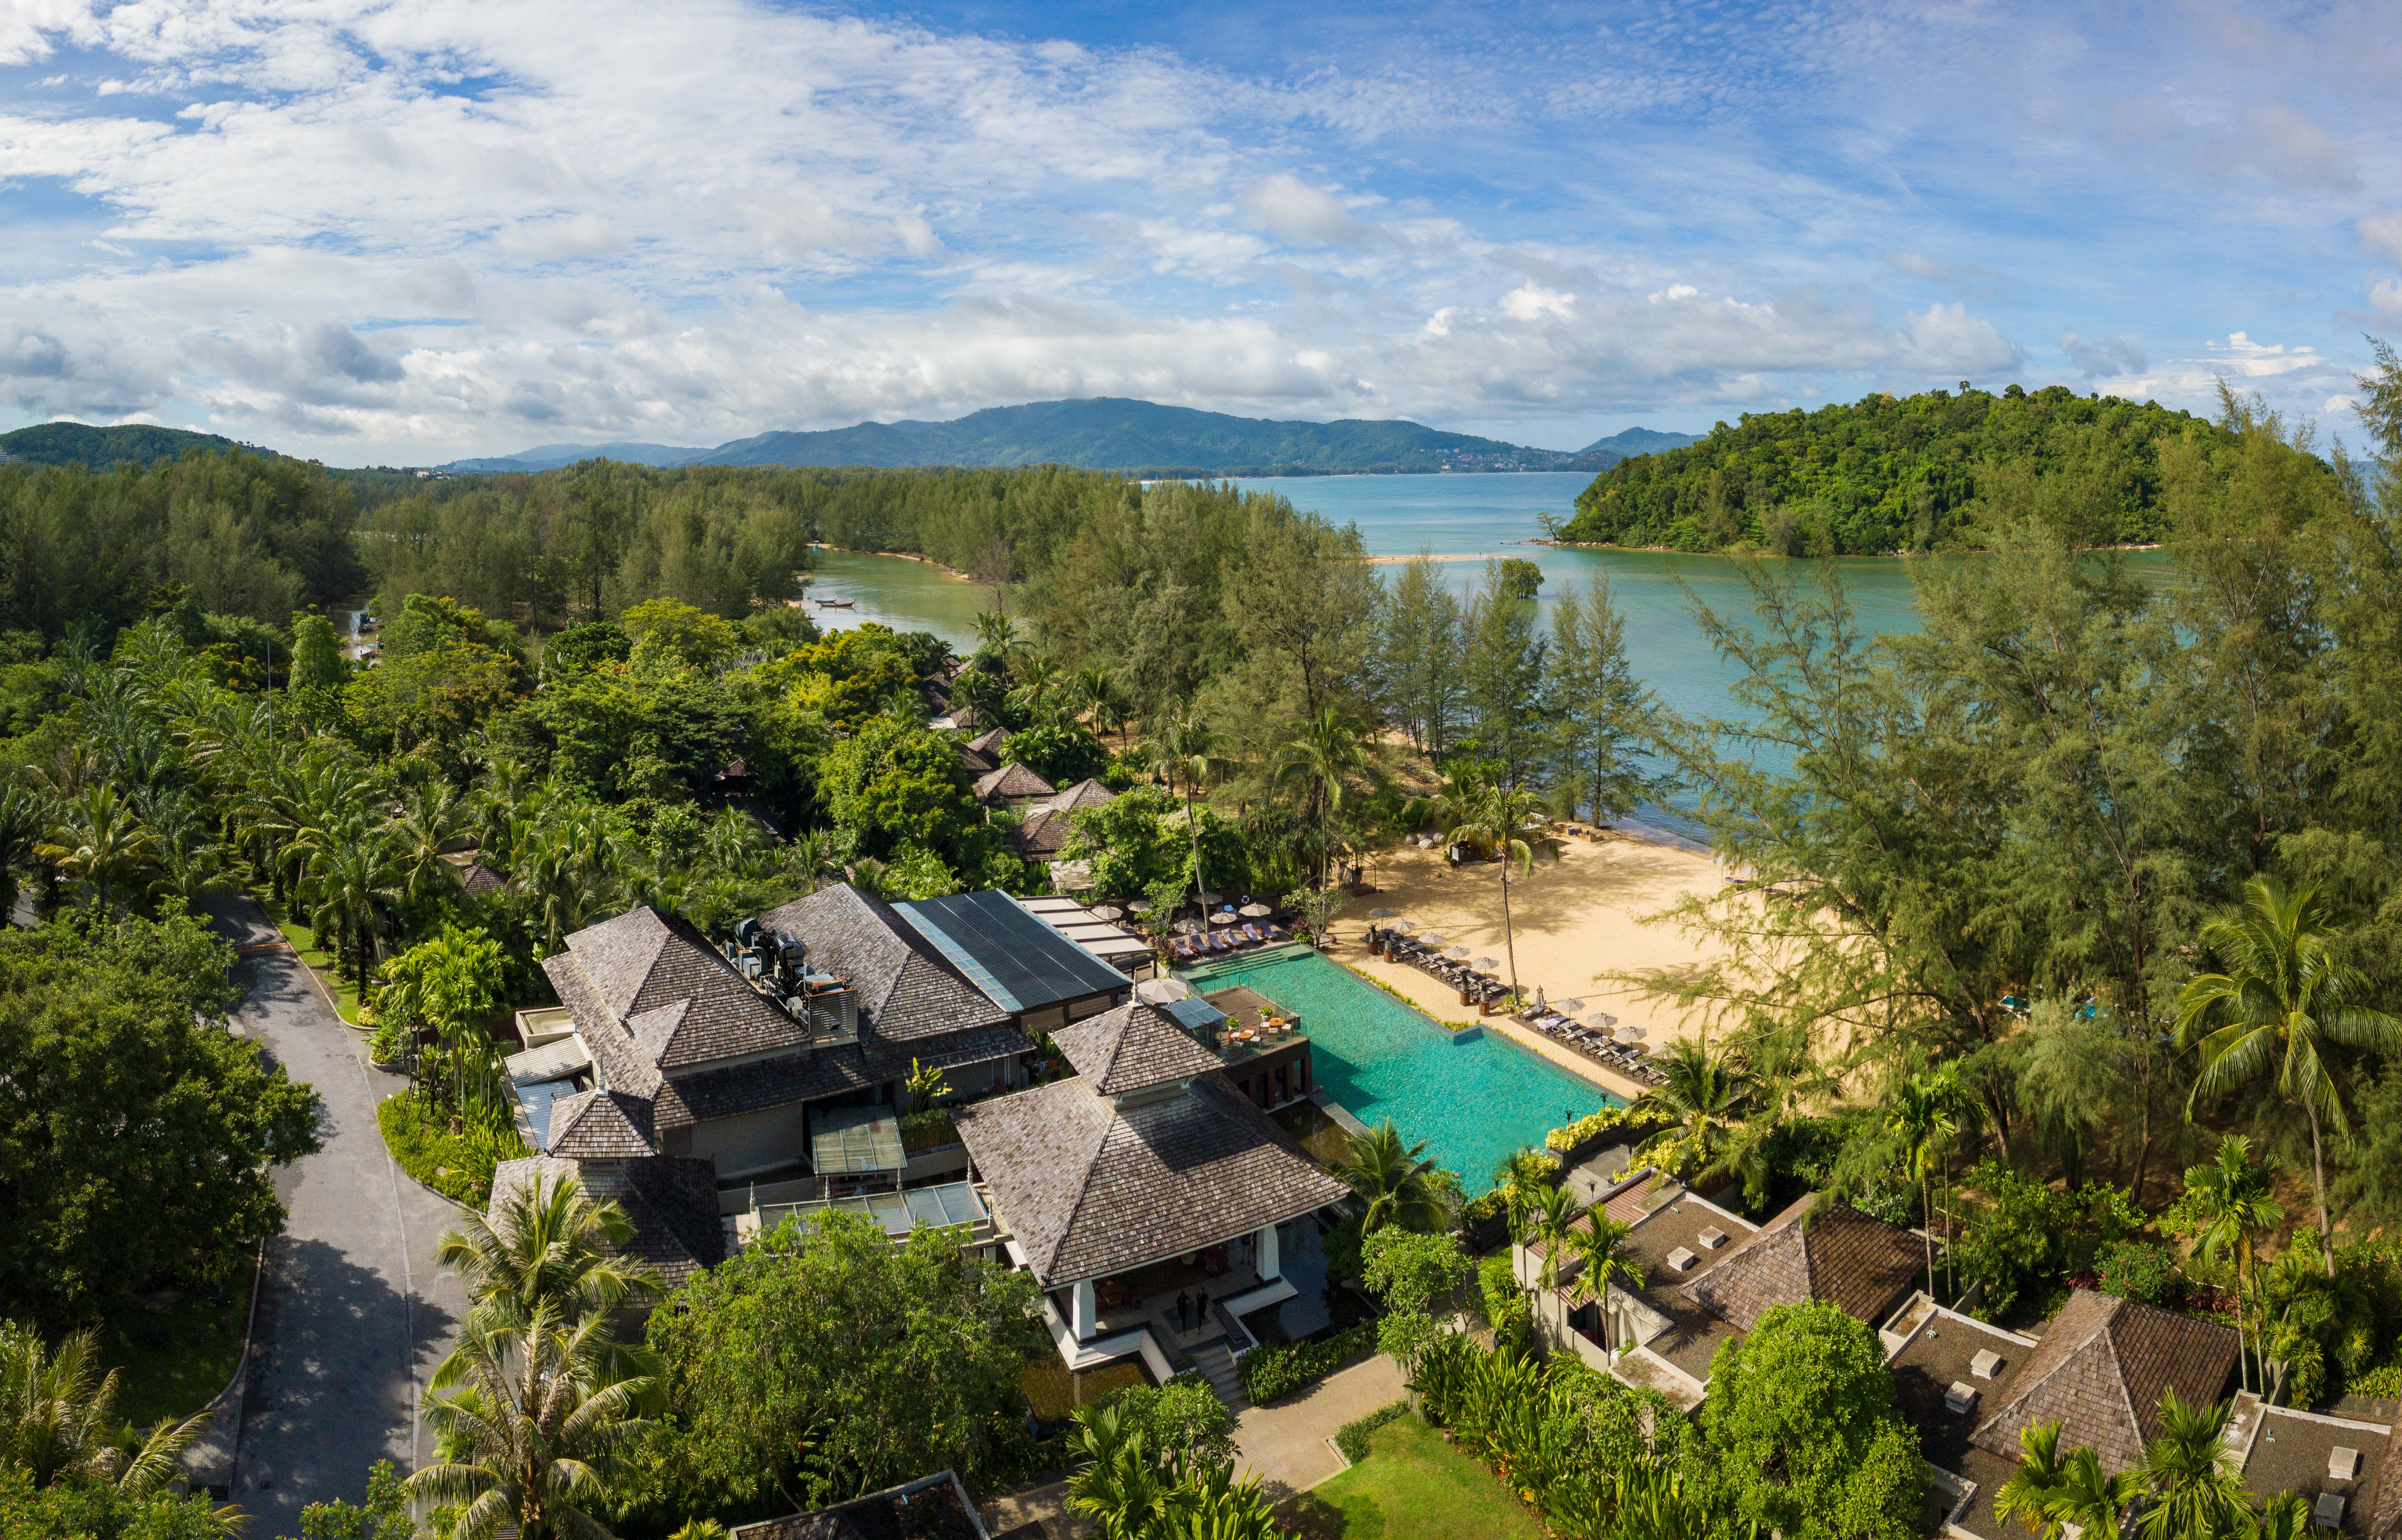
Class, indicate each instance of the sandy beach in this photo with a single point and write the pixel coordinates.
(1573, 919)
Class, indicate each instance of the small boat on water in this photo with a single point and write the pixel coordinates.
(836, 603)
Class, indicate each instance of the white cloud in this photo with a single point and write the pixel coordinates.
(1946, 340)
(2381, 233)
(1533, 302)
(1310, 217)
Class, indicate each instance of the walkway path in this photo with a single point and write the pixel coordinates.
(353, 1315)
(1285, 1444)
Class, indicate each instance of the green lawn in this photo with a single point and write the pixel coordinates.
(304, 941)
(1412, 1486)
(172, 1363)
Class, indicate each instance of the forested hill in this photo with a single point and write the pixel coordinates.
(1111, 433)
(75, 443)
(1885, 474)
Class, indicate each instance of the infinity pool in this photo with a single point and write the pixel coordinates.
(1473, 1102)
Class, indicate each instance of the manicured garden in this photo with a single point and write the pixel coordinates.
(1413, 1485)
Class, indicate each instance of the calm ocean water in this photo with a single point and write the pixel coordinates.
(1464, 520)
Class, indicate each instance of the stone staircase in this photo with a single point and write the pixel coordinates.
(1217, 1366)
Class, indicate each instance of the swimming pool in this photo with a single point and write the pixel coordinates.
(1472, 1102)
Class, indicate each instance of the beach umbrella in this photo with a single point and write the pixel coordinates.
(1487, 965)
(1382, 914)
(1433, 938)
(1630, 1031)
(1109, 911)
(1404, 926)
(1161, 991)
(1188, 928)
(1223, 916)
(1563, 1007)
(1456, 952)
(1601, 1023)
(1255, 911)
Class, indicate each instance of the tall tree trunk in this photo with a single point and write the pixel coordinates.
(1509, 936)
(2318, 1175)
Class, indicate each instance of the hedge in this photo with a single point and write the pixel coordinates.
(1577, 1133)
(1275, 1369)
(1352, 1437)
(459, 1166)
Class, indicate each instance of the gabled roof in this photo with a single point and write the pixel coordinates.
(2100, 1369)
(907, 988)
(600, 1125)
(1012, 782)
(987, 744)
(1132, 1047)
(1836, 1254)
(1084, 794)
(1089, 1187)
(672, 1203)
(681, 1002)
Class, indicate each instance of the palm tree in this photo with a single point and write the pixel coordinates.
(1498, 820)
(23, 822)
(1555, 1214)
(2286, 1516)
(548, 1245)
(1324, 755)
(809, 855)
(352, 885)
(58, 1418)
(1120, 1486)
(1706, 1097)
(1393, 1180)
(2088, 1499)
(1598, 1245)
(430, 825)
(1090, 690)
(2285, 1000)
(1184, 746)
(2231, 1196)
(2028, 1494)
(101, 841)
(532, 1428)
(996, 635)
(1917, 1112)
(1522, 1174)
(2194, 1481)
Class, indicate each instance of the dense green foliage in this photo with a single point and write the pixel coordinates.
(137, 1137)
(1802, 1410)
(826, 1362)
(99, 449)
(1884, 474)
(94, 1510)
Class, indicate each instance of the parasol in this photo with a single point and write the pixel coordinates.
(1456, 952)
(1161, 991)
(1487, 965)
(1255, 911)
(1382, 914)
(1565, 1007)
(1109, 911)
(1433, 938)
(1404, 926)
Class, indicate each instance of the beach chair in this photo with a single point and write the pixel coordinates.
(1278, 933)
(1253, 932)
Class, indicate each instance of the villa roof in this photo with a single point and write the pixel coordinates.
(671, 1202)
(1087, 793)
(907, 988)
(668, 989)
(2100, 1370)
(1042, 835)
(1834, 1253)
(987, 743)
(933, 1508)
(1132, 1047)
(1012, 782)
(600, 1125)
(1091, 1188)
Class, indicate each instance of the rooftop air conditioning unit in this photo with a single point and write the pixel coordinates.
(1960, 1397)
(1712, 1238)
(1985, 1364)
(1682, 1260)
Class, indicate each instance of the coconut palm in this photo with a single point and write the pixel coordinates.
(2192, 1478)
(1324, 756)
(352, 886)
(2285, 1000)
(1497, 819)
(1600, 1245)
(547, 1245)
(58, 1416)
(2028, 1494)
(1520, 1176)
(1704, 1098)
(1187, 750)
(1091, 691)
(1394, 1181)
(101, 842)
(809, 856)
(2230, 1195)
(430, 825)
(1554, 1214)
(531, 1428)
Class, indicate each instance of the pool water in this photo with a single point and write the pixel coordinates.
(1473, 1103)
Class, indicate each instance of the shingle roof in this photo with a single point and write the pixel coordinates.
(906, 988)
(1089, 1188)
(2385, 1499)
(1836, 1254)
(1084, 794)
(600, 1125)
(1132, 1047)
(1042, 834)
(681, 1000)
(671, 1202)
(1013, 782)
(2100, 1370)
(987, 744)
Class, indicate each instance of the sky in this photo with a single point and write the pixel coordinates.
(402, 231)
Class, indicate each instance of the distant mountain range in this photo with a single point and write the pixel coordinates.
(75, 443)
(1112, 433)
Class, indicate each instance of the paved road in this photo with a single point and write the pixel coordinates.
(353, 1315)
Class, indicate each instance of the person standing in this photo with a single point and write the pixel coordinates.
(1201, 1309)
(1184, 1312)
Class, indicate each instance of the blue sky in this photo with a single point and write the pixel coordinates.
(397, 233)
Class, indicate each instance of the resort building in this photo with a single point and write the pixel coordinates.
(982, 754)
(766, 1072)
(1043, 832)
(1144, 1176)
(1013, 785)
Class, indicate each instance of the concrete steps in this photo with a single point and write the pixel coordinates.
(1217, 1366)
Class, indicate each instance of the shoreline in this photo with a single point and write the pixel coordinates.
(897, 556)
(1769, 555)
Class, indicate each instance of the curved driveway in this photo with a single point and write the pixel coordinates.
(353, 1314)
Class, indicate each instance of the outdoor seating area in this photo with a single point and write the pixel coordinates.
(1594, 1040)
(1220, 943)
(1598, 1038)
(1477, 983)
(1147, 1298)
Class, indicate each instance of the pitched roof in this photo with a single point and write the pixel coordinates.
(907, 987)
(1041, 835)
(671, 1202)
(672, 992)
(1836, 1254)
(2100, 1369)
(987, 744)
(600, 1125)
(1084, 794)
(1132, 1047)
(1089, 1187)
(933, 1508)
(1012, 782)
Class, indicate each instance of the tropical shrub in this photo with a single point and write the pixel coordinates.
(2140, 1270)
(1352, 1436)
(1275, 1369)
(1802, 1412)
(1506, 1304)
(2024, 1235)
(457, 1166)
(1586, 1127)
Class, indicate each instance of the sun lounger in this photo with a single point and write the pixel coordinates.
(1253, 932)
